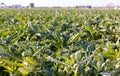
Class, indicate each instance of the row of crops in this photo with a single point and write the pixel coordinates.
(59, 42)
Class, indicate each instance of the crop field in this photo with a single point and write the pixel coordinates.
(59, 42)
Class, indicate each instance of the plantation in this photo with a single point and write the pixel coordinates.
(59, 42)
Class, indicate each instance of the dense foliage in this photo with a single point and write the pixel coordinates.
(59, 42)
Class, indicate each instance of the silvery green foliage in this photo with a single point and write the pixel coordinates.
(59, 42)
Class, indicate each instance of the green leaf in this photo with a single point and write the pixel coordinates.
(74, 38)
